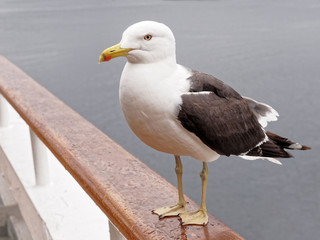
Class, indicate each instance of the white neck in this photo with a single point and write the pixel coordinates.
(138, 59)
(158, 70)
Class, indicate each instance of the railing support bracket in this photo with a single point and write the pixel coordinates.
(40, 160)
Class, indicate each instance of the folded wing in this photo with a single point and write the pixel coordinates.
(219, 116)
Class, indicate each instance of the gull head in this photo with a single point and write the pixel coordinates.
(143, 42)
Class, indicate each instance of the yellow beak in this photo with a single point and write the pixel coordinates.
(113, 52)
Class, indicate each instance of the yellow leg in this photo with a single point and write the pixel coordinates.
(180, 207)
(199, 217)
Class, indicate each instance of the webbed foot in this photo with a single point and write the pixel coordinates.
(199, 217)
(170, 211)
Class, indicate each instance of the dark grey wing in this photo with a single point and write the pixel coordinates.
(219, 116)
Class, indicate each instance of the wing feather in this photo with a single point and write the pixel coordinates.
(262, 111)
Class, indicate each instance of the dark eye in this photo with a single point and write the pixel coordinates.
(147, 37)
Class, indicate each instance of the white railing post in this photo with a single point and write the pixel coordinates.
(114, 232)
(4, 112)
(40, 160)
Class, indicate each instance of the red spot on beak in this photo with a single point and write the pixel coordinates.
(107, 58)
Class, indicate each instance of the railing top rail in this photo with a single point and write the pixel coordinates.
(122, 186)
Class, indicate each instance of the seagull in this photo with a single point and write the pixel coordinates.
(184, 112)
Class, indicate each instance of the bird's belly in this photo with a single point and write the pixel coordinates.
(158, 134)
(155, 122)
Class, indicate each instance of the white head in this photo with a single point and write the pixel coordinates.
(143, 42)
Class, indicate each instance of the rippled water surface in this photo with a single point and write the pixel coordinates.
(267, 50)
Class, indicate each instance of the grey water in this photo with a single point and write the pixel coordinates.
(266, 50)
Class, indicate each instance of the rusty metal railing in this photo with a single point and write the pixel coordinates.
(122, 186)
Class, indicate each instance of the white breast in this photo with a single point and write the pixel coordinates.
(150, 98)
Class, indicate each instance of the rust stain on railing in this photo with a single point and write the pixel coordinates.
(121, 185)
